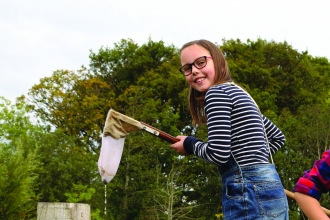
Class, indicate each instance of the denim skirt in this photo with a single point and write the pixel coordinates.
(252, 192)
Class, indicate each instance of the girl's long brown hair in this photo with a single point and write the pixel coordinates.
(222, 75)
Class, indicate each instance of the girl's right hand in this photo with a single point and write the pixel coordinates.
(178, 146)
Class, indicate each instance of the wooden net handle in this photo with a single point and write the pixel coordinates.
(162, 135)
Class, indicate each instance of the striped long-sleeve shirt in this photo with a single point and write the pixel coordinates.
(234, 126)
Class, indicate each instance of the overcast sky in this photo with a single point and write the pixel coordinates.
(40, 36)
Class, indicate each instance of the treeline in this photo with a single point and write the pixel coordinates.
(50, 140)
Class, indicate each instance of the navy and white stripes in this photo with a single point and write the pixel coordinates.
(234, 125)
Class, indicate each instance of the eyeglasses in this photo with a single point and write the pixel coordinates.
(199, 63)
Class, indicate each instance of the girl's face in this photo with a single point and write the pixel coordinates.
(200, 79)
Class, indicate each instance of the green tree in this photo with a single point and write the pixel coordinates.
(39, 163)
(64, 165)
(73, 103)
(18, 164)
(277, 75)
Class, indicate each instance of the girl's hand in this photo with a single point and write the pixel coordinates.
(178, 146)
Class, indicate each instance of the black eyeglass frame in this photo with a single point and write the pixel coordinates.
(193, 63)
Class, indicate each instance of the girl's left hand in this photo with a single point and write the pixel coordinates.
(178, 146)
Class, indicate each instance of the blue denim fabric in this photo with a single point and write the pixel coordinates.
(252, 192)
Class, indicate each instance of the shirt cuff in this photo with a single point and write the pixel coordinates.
(188, 144)
(307, 187)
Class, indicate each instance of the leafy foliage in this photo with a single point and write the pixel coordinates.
(56, 155)
(18, 163)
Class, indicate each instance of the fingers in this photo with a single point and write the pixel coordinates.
(178, 146)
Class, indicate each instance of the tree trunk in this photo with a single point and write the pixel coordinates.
(61, 211)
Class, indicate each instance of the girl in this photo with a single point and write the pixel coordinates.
(240, 139)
